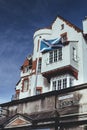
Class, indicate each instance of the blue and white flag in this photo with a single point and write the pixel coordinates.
(48, 45)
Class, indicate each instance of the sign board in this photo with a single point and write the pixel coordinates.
(68, 102)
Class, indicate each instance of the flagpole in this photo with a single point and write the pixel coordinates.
(37, 66)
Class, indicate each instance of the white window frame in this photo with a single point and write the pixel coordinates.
(74, 54)
(62, 82)
(55, 55)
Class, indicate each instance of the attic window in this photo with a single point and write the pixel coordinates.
(62, 26)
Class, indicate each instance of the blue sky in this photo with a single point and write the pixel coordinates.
(19, 19)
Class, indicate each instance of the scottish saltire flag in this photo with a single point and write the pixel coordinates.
(48, 45)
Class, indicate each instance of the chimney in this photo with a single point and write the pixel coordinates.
(85, 25)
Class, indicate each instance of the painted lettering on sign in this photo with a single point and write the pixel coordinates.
(68, 100)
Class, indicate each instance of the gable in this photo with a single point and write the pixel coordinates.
(70, 24)
(18, 121)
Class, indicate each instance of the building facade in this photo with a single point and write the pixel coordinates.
(58, 60)
(53, 82)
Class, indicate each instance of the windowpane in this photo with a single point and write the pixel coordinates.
(25, 87)
(74, 54)
(59, 84)
(64, 37)
(55, 56)
(71, 82)
(54, 85)
(62, 83)
(60, 54)
(65, 83)
(38, 91)
(51, 57)
(62, 26)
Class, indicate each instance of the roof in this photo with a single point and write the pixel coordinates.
(66, 21)
(29, 120)
(26, 62)
(69, 23)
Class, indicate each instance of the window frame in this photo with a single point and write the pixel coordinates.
(55, 55)
(38, 89)
(62, 83)
(74, 54)
(62, 26)
(64, 37)
(23, 85)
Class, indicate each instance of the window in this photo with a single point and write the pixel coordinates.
(26, 69)
(55, 55)
(62, 26)
(25, 85)
(39, 65)
(38, 90)
(59, 85)
(60, 54)
(74, 54)
(51, 57)
(62, 83)
(71, 82)
(64, 37)
(54, 85)
(65, 83)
